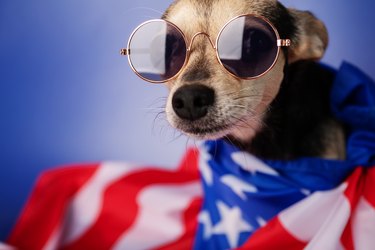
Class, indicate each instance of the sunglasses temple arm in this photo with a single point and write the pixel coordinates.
(124, 52)
(283, 42)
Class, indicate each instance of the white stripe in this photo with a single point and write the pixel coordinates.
(329, 235)
(319, 219)
(87, 203)
(160, 217)
(54, 239)
(6, 247)
(363, 226)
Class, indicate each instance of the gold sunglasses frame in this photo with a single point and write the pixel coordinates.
(280, 43)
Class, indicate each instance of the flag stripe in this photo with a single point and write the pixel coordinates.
(120, 207)
(364, 226)
(313, 211)
(186, 241)
(330, 232)
(273, 236)
(347, 236)
(119, 204)
(54, 188)
(370, 186)
(82, 214)
(172, 200)
(323, 221)
(353, 192)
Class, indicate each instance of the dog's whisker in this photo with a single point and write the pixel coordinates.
(160, 117)
(239, 97)
(246, 89)
(154, 108)
(246, 122)
(160, 13)
(196, 147)
(241, 123)
(187, 144)
(216, 149)
(236, 106)
(161, 100)
(176, 137)
(154, 111)
(230, 140)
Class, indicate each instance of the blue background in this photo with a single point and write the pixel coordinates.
(67, 96)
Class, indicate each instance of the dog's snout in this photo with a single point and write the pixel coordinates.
(191, 102)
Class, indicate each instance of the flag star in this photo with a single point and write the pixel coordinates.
(252, 164)
(238, 186)
(205, 169)
(261, 222)
(231, 224)
(204, 218)
(305, 191)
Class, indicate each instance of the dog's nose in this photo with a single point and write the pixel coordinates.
(191, 102)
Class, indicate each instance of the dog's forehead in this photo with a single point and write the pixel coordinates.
(209, 16)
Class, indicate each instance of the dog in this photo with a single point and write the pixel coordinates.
(284, 114)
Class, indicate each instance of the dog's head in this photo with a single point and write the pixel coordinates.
(205, 101)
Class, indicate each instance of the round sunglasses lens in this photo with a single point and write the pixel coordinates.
(247, 46)
(157, 51)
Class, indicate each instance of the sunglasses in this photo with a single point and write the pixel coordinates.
(247, 47)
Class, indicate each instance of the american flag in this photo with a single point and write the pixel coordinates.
(246, 205)
(112, 206)
(302, 204)
(218, 198)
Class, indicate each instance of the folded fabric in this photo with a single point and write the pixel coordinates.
(5, 247)
(112, 206)
(219, 198)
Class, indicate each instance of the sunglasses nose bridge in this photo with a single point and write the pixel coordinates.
(203, 34)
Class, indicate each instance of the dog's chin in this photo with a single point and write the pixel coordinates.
(240, 131)
(213, 133)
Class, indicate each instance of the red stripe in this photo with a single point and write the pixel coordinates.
(355, 187)
(353, 192)
(46, 206)
(119, 203)
(273, 236)
(347, 236)
(369, 192)
(186, 241)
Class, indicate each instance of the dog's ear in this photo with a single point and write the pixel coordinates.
(312, 37)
